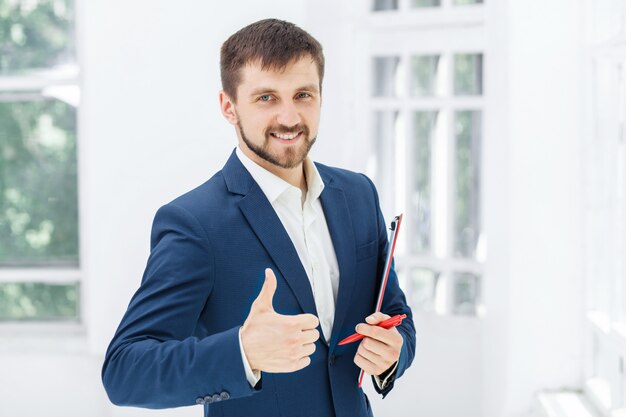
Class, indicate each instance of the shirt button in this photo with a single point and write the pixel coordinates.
(216, 398)
(208, 399)
(200, 400)
(225, 395)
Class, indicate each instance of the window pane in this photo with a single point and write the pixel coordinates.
(424, 75)
(466, 293)
(35, 34)
(385, 5)
(468, 132)
(425, 3)
(464, 2)
(36, 301)
(38, 187)
(421, 289)
(380, 162)
(468, 74)
(386, 76)
(424, 124)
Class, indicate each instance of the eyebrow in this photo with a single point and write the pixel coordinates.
(265, 90)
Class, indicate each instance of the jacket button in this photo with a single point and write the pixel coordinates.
(225, 395)
(332, 359)
(208, 399)
(200, 400)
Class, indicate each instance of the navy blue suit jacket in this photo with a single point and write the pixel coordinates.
(178, 343)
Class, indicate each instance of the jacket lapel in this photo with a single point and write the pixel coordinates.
(268, 228)
(339, 223)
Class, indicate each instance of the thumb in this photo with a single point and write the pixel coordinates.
(265, 297)
(376, 318)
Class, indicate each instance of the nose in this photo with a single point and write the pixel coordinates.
(288, 115)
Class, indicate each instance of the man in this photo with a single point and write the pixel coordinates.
(254, 276)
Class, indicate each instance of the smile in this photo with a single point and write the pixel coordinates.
(286, 138)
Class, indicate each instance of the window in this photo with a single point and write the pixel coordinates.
(605, 208)
(39, 236)
(426, 107)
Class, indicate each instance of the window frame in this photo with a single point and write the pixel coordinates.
(458, 30)
(42, 84)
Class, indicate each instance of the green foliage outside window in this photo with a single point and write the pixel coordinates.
(424, 127)
(35, 34)
(425, 3)
(38, 301)
(467, 202)
(38, 184)
(468, 74)
(424, 72)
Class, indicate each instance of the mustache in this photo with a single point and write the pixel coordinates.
(284, 130)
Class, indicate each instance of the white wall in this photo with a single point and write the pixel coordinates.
(532, 338)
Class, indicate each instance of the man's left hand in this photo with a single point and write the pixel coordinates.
(380, 348)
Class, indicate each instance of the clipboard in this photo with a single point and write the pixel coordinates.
(395, 228)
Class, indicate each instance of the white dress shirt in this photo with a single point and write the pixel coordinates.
(303, 219)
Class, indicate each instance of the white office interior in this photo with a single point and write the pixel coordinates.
(531, 322)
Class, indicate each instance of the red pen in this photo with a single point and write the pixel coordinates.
(387, 324)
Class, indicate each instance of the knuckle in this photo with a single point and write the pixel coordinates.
(291, 341)
(294, 354)
(295, 325)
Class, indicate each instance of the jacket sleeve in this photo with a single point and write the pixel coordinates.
(154, 359)
(394, 302)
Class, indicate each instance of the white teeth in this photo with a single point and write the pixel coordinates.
(287, 137)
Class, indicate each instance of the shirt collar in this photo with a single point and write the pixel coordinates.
(273, 186)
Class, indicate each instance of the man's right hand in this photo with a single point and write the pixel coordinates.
(274, 342)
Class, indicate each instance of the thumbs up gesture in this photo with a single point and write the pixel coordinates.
(274, 342)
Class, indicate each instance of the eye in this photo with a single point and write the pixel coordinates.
(265, 97)
(304, 95)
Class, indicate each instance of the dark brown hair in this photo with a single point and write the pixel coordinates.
(271, 42)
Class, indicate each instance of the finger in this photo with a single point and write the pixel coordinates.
(376, 318)
(307, 321)
(310, 336)
(365, 364)
(308, 349)
(376, 332)
(375, 346)
(266, 296)
(302, 363)
(371, 356)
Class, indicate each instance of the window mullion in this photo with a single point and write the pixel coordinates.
(47, 275)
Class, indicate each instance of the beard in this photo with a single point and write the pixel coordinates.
(292, 156)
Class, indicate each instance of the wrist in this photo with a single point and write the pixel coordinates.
(246, 351)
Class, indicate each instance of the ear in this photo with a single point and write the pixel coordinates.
(227, 105)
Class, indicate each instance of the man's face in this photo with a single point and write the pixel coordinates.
(277, 113)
